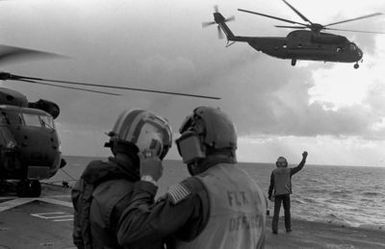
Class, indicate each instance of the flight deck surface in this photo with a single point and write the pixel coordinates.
(44, 222)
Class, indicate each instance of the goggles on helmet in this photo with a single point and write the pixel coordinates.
(190, 147)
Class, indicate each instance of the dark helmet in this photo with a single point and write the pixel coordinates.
(147, 131)
(281, 162)
(205, 132)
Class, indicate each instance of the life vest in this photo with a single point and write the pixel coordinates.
(237, 211)
(282, 181)
(97, 173)
(81, 198)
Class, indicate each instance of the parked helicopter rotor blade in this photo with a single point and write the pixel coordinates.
(354, 19)
(357, 31)
(297, 12)
(290, 27)
(9, 53)
(69, 87)
(7, 76)
(273, 17)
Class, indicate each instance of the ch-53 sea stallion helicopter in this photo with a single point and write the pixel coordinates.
(29, 143)
(300, 44)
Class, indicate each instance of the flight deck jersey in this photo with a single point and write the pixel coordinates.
(282, 181)
(237, 208)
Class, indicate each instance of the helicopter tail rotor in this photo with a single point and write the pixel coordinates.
(220, 20)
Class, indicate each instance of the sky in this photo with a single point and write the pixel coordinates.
(331, 110)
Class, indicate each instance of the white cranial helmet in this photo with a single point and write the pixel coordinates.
(146, 130)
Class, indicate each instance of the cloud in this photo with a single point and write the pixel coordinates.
(163, 47)
(323, 150)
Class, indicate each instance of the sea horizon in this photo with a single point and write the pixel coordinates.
(246, 162)
(346, 195)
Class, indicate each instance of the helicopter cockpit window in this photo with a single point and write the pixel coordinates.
(47, 121)
(31, 120)
(38, 121)
(353, 47)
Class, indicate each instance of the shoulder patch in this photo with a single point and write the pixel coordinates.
(178, 192)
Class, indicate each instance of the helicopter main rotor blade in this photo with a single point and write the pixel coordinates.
(5, 76)
(297, 12)
(290, 27)
(354, 19)
(68, 87)
(273, 17)
(9, 53)
(358, 31)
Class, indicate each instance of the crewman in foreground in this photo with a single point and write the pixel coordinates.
(220, 206)
(280, 182)
(106, 187)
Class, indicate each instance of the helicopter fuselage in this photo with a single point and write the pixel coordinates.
(29, 144)
(300, 44)
(306, 45)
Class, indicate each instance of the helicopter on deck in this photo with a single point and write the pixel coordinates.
(300, 44)
(29, 143)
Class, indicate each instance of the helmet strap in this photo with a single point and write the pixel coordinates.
(201, 165)
(223, 152)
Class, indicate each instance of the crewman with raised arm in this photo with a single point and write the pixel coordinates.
(280, 182)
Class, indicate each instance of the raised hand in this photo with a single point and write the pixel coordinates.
(150, 166)
(304, 154)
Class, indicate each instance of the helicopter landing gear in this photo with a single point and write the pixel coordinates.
(27, 188)
(3, 186)
(356, 65)
(293, 62)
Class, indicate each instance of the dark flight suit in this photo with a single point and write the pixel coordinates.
(280, 182)
(219, 208)
(115, 181)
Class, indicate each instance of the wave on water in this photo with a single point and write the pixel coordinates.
(371, 194)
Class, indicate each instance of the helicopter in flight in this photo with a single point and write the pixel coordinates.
(29, 142)
(307, 42)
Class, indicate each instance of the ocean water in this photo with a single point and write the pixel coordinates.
(350, 196)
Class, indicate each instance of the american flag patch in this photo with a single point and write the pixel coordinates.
(177, 193)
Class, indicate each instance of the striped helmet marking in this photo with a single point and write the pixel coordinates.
(136, 125)
(136, 130)
(122, 124)
(177, 193)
